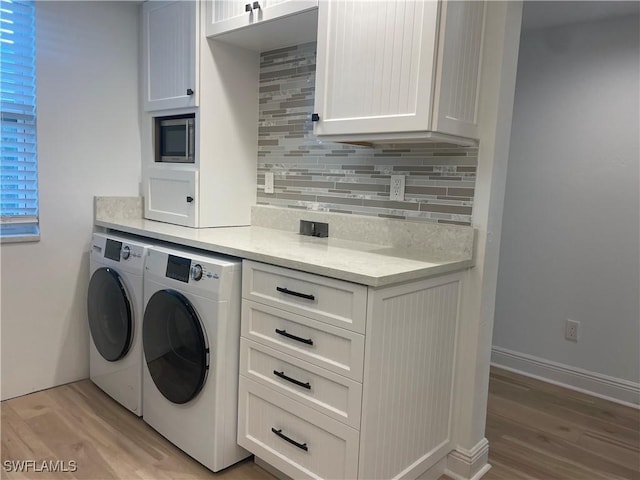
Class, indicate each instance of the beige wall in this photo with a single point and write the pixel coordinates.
(88, 144)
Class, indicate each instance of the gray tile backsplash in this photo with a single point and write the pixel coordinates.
(317, 175)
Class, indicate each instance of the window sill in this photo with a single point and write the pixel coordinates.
(19, 233)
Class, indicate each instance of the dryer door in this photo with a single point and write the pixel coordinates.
(110, 318)
(175, 346)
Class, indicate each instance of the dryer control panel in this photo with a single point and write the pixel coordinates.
(178, 268)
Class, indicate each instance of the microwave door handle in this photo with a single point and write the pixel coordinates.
(191, 135)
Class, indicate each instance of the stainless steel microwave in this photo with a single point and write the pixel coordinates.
(175, 139)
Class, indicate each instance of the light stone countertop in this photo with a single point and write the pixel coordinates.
(365, 263)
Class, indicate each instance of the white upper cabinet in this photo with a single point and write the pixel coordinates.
(405, 70)
(262, 25)
(170, 44)
(219, 187)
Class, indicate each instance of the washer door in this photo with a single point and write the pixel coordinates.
(175, 346)
(110, 319)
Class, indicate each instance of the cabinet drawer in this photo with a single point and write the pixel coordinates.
(333, 348)
(299, 441)
(336, 302)
(315, 387)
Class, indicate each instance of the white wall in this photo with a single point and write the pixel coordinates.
(88, 144)
(570, 244)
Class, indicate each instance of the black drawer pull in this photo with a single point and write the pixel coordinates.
(301, 446)
(284, 333)
(292, 380)
(295, 294)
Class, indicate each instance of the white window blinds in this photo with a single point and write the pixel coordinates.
(18, 165)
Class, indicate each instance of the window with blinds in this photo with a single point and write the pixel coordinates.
(18, 163)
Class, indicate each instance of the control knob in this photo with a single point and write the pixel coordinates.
(125, 252)
(196, 272)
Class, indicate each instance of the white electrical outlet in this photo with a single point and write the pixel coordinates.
(268, 182)
(396, 191)
(571, 330)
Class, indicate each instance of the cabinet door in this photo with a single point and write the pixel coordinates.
(170, 38)
(227, 15)
(458, 80)
(271, 24)
(273, 9)
(171, 195)
(375, 66)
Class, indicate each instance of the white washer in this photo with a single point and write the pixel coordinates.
(115, 307)
(191, 338)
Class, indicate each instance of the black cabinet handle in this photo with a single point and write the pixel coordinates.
(292, 380)
(315, 117)
(189, 199)
(301, 446)
(256, 5)
(306, 341)
(295, 294)
(189, 91)
(247, 7)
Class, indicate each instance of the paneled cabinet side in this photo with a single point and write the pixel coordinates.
(410, 346)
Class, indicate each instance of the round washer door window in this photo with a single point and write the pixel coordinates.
(175, 346)
(110, 319)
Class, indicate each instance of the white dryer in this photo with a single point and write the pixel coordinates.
(115, 307)
(191, 341)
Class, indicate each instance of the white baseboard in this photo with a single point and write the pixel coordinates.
(609, 388)
(471, 464)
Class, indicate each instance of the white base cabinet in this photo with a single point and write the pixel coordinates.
(324, 401)
(405, 70)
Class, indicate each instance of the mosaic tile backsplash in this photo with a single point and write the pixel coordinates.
(313, 174)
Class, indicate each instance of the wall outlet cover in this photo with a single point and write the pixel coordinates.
(571, 330)
(268, 182)
(396, 190)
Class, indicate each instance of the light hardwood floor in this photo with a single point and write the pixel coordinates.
(539, 430)
(535, 430)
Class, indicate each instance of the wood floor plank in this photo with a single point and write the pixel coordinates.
(533, 425)
(613, 411)
(505, 408)
(19, 441)
(545, 444)
(619, 452)
(591, 417)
